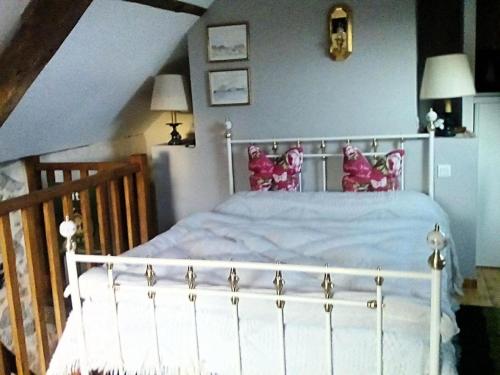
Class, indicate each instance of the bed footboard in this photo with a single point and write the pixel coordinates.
(115, 213)
(325, 299)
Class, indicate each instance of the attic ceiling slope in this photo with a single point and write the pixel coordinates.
(44, 26)
(114, 50)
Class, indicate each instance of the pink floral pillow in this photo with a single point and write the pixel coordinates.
(362, 176)
(280, 175)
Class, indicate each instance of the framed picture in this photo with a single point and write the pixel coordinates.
(228, 42)
(229, 87)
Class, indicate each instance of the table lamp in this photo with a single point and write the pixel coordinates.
(447, 77)
(169, 94)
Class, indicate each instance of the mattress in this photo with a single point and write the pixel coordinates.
(368, 230)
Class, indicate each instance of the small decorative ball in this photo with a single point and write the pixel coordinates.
(228, 124)
(436, 240)
(67, 228)
(431, 116)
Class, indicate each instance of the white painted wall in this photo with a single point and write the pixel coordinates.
(10, 17)
(84, 93)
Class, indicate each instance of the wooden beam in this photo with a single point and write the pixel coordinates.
(172, 5)
(45, 24)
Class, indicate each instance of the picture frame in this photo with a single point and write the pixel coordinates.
(227, 42)
(229, 87)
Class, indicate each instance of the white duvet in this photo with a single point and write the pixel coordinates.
(342, 229)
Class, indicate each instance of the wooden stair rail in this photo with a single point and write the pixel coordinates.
(122, 221)
(57, 191)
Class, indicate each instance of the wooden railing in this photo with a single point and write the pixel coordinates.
(122, 216)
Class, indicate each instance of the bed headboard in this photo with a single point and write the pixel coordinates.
(320, 153)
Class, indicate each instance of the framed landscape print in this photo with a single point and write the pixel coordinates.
(228, 42)
(229, 87)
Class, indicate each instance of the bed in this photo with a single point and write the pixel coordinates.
(268, 283)
(341, 229)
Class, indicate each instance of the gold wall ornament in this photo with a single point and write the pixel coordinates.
(340, 32)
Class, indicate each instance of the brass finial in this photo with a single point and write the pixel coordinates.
(151, 279)
(437, 242)
(379, 280)
(327, 286)
(228, 125)
(191, 281)
(233, 283)
(275, 147)
(436, 261)
(279, 284)
(322, 147)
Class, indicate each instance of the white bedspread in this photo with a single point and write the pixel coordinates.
(342, 229)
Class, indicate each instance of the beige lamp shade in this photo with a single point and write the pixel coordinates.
(169, 93)
(447, 76)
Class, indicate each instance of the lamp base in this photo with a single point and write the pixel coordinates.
(176, 138)
(449, 126)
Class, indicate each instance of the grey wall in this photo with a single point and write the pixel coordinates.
(296, 89)
(98, 84)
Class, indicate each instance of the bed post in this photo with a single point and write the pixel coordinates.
(228, 135)
(67, 229)
(437, 242)
(431, 128)
(431, 163)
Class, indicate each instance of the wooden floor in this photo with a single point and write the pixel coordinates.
(487, 293)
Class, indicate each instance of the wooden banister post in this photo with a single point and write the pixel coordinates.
(13, 297)
(143, 195)
(32, 250)
(33, 177)
(34, 182)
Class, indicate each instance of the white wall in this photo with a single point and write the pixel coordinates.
(10, 17)
(85, 92)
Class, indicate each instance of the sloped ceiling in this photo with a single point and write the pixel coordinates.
(108, 58)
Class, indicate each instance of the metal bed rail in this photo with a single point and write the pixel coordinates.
(323, 142)
(435, 239)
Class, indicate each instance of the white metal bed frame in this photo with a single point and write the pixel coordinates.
(276, 293)
(322, 143)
